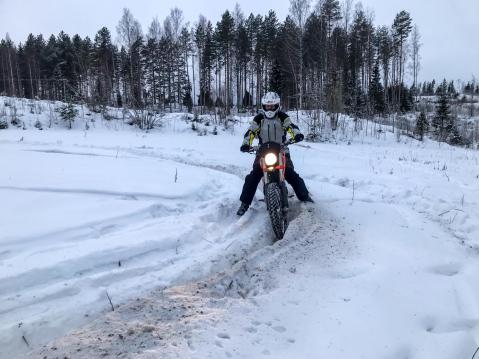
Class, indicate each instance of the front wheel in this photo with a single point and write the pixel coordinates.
(273, 198)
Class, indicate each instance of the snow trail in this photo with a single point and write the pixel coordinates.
(384, 265)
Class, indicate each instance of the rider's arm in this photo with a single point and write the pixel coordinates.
(289, 126)
(253, 130)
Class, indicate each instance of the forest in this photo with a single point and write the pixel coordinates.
(328, 56)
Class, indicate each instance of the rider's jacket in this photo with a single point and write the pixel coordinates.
(270, 130)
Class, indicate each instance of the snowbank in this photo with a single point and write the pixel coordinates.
(384, 265)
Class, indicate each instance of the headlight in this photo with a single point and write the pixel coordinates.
(270, 159)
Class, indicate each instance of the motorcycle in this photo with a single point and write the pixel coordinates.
(273, 163)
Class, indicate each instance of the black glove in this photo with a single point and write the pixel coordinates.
(245, 148)
(299, 137)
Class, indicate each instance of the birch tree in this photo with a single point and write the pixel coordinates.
(299, 10)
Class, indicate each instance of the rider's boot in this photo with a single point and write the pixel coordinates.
(243, 208)
(308, 199)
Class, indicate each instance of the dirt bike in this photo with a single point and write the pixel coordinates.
(273, 163)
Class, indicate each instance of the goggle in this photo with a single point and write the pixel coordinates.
(270, 107)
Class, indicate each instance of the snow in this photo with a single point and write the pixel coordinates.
(383, 265)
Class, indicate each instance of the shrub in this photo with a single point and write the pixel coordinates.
(68, 112)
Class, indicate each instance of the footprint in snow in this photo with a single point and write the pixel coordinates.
(223, 336)
(447, 270)
(279, 329)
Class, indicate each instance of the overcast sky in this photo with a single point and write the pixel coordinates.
(449, 28)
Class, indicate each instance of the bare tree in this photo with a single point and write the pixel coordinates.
(129, 32)
(318, 6)
(346, 7)
(415, 56)
(128, 29)
(155, 30)
(9, 41)
(176, 21)
(299, 10)
(238, 15)
(471, 108)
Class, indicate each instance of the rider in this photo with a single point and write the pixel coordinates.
(271, 125)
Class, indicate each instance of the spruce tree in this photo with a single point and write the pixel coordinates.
(103, 69)
(422, 126)
(407, 99)
(68, 112)
(442, 88)
(187, 99)
(442, 122)
(376, 91)
(451, 90)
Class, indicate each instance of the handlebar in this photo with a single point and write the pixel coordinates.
(254, 149)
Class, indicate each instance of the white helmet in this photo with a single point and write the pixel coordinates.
(270, 104)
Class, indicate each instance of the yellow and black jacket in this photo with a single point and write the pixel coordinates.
(270, 130)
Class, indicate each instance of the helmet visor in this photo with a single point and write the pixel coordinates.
(270, 107)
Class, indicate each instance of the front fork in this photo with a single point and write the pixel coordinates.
(279, 177)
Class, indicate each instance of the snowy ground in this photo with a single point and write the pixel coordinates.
(384, 265)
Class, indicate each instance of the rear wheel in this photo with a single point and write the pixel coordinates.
(273, 197)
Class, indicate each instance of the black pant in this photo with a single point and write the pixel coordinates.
(252, 180)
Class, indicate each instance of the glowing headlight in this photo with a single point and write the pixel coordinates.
(270, 159)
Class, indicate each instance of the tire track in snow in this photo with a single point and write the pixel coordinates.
(64, 282)
(166, 322)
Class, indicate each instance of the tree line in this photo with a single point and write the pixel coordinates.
(327, 55)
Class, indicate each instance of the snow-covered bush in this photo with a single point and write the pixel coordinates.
(3, 119)
(146, 120)
(14, 120)
(38, 125)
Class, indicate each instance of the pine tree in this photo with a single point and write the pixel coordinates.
(275, 79)
(242, 59)
(315, 55)
(288, 59)
(103, 68)
(224, 41)
(137, 85)
(385, 52)
(149, 61)
(401, 28)
(204, 43)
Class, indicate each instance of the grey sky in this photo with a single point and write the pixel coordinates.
(448, 28)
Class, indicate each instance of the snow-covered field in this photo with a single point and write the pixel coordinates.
(383, 265)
